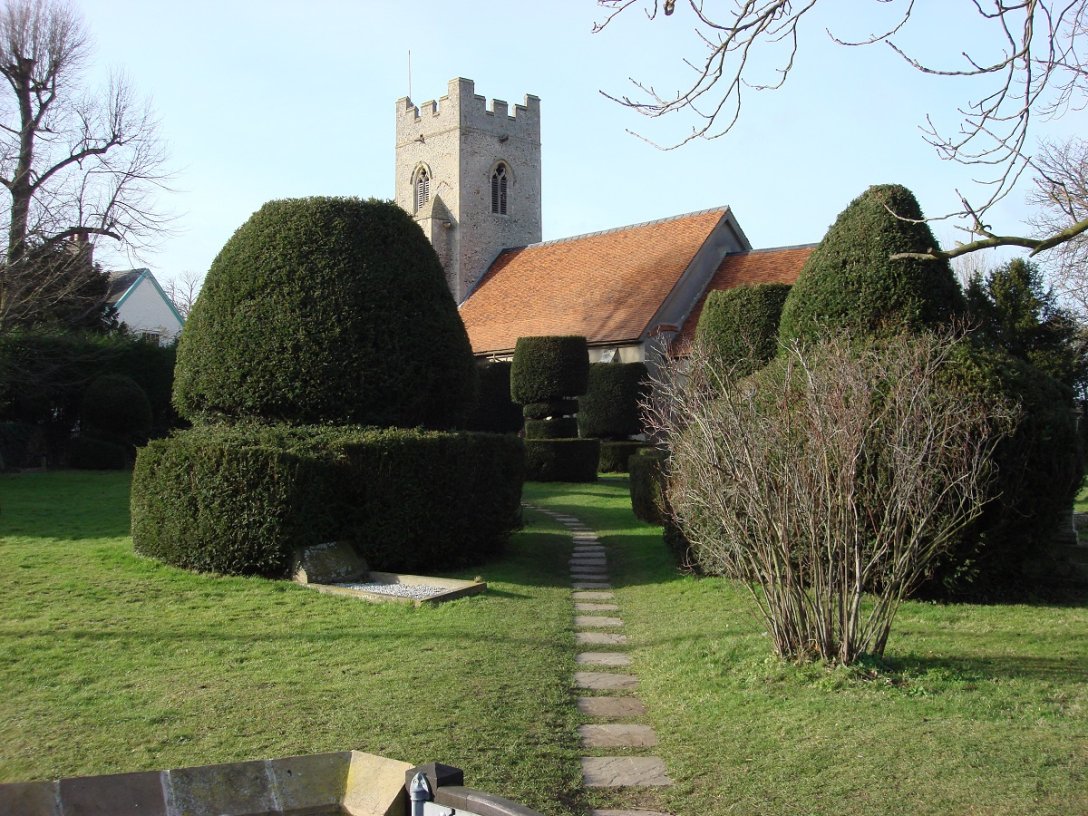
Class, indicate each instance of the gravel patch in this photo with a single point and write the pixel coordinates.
(419, 592)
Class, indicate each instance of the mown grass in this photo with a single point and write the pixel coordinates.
(976, 710)
(112, 662)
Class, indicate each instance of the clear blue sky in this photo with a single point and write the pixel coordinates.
(273, 99)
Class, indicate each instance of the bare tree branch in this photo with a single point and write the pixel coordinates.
(1032, 62)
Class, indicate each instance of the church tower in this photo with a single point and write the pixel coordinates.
(470, 175)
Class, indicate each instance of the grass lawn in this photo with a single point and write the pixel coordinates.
(112, 663)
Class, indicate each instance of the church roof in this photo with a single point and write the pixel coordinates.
(777, 265)
(608, 286)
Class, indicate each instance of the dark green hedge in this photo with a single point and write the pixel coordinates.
(494, 411)
(555, 408)
(91, 453)
(548, 368)
(610, 407)
(615, 454)
(738, 329)
(850, 283)
(115, 405)
(647, 485)
(562, 460)
(327, 310)
(560, 428)
(239, 499)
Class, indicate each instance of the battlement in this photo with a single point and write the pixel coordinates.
(463, 107)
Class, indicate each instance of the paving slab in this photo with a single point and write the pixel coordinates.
(591, 621)
(617, 735)
(622, 772)
(599, 639)
(592, 596)
(589, 576)
(591, 585)
(596, 607)
(588, 551)
(590, 559)
(604, 681)
(611, 706)
(603, 658)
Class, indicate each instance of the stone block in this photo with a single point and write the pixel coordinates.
(617, 735)
(29, 799)
(330, 563)
(592, 596)
(599, 639)
(311, 781)
(237, 788)
(623, 772)
(597, 621)
(604, 681)
(611, 706)
(131, 794)
(591, 585)
(603, 659)
(375, 786)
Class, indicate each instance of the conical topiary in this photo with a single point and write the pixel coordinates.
(850, 283)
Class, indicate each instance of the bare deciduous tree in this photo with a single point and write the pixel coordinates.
(1061, 197)
(1032, 63)
(828, 484)
(77, 166)
(183, 290)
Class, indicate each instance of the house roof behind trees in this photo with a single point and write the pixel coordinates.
(613, 287)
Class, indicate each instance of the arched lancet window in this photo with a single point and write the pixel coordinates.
(498, 190)
(422, 188)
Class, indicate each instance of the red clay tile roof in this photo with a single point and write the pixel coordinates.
(778, 265)
(606, 286)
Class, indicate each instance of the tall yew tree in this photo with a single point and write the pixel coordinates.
(77, 165)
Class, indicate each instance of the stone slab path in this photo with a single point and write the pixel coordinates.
(606, 679)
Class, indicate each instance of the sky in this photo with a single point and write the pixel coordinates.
(274, 99)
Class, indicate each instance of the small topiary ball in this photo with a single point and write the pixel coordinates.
(326, 310)
(117, 407)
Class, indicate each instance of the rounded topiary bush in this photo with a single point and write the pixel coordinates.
(326, 310)
(546, 369)
(849, 282)
(609, 409)
(616, 454)
(117, 408)
(562, 460)
(738, 328)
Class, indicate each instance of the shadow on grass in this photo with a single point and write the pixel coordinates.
(981, 668)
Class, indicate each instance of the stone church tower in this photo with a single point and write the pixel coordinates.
(470, 175)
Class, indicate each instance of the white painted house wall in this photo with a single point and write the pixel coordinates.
(145, 309)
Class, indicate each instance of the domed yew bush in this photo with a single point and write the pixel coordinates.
(849, 283)
(739, 327)
(326, 310)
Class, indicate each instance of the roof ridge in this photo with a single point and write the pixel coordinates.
(722, 209)
(771, 249)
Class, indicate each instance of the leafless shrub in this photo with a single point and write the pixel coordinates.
(829, 483)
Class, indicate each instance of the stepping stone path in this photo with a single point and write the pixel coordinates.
(604, 677)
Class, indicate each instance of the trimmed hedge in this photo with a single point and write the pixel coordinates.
(548, 368)
(849, 283)
(562, 460)
(240, 499)
(91, 453)
(647, 485)
(559, 428)
(738, 329)
(610, 407)
(615, 454)
(494, 411)
(115, 406)
(326, 310)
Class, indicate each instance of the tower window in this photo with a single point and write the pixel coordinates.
(498, 190)
(423, 188)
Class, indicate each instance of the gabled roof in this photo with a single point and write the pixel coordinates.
(607, 286)
(777, 265)
(124, 282)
